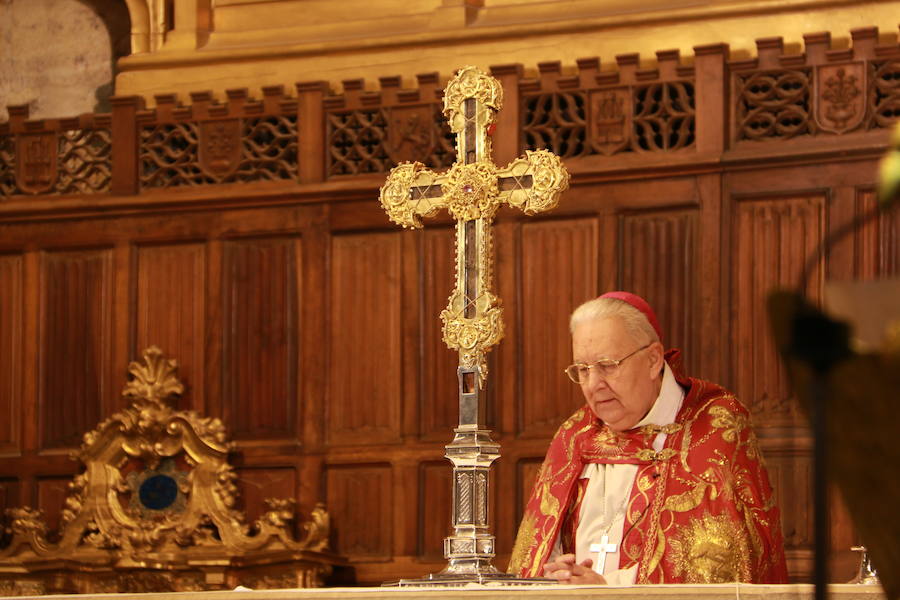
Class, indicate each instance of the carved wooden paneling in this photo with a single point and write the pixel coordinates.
(439, 398)
(256, 484)
(9, 493)
(365, 378)
(657, 255)
(434, 508)
(360, 500)
(791, 477)
(11, 271)
(75, 344)
(877, 245)
(773, 237)
(526, 474)
(260, 336)
(559, 272)
(169, 305)
(51, 495)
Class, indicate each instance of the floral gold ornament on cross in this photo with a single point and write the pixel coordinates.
(472, 191)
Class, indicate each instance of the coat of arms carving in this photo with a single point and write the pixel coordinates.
(220, 147)
(840, 96)
(410, 133)
(36, 162)
(610, 119)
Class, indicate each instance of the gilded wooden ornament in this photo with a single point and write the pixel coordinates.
(157, 503)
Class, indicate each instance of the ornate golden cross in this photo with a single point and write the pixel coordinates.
(472, 190)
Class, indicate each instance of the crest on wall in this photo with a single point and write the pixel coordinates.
(156, 509)
(219, 147)
(609, 119)
(410, 133)
(36, 162)
(840, 96)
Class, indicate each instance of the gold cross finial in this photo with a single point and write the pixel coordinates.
(472, 191)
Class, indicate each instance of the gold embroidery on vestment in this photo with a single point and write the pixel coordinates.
(711, 549)
(653, 455)
(732, 423)
(691, 499)
(524, 542)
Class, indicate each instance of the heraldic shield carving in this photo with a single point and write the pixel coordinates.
(610, 119)
(36, 162)
(411, 134)
(155, 511)
(219, 147)
(840, 96)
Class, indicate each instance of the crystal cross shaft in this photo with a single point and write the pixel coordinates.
(604, 548)
(472, 191)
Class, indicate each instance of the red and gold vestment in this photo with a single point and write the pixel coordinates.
(701, 510)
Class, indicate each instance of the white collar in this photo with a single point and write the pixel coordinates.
(667, 404)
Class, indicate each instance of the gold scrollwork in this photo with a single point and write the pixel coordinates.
(549, 179)
(473, 336)
(471, 191)
(471, 82)
(107, 525)
(395, 194)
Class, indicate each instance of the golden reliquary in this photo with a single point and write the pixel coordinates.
(155, 510)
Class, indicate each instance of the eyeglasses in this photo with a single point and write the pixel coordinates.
(606, 367)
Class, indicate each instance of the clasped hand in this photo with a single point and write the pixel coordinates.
(565, 570)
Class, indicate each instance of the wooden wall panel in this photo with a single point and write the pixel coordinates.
(439, 401)
(9, 493)
(11, 327)
(75, 323)
(657, 257)
(791, 476)
(877, 245)
(559, 271)
(360, 500)
(773, 238)
(169, 303)
(526, 474)
(365, 375)
(50, 498)
(260, 282)
(256, 484)
(434, 512)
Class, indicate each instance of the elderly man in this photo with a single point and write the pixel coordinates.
(658, 479)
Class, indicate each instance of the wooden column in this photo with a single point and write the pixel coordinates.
(125, 174)
(311, 130)
(506, 140)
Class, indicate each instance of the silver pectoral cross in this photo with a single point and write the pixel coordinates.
(603, 548)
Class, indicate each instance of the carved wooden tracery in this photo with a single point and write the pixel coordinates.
(825, 91)
(210, 143)
(593, 112)
(156, 509)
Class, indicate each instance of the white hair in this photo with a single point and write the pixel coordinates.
(635, 321)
